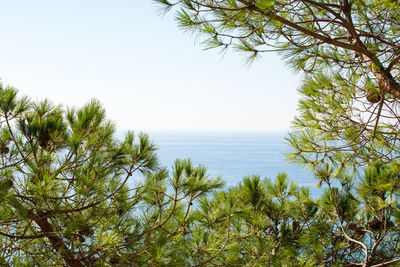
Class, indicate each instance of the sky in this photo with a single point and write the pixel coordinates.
(148, 73)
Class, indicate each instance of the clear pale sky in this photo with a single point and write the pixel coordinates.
(147, 72)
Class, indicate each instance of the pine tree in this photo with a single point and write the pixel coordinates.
(72, 193)
(348, 52)
(348, 117)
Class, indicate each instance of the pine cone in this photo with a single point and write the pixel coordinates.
(4, 150)
(375, 224)
(352, 226)
(373, 97)
(295, 225)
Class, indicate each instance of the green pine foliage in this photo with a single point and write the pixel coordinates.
(73, 194)
(348, 53)
(347, 121)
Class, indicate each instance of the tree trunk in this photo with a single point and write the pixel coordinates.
(55, 240)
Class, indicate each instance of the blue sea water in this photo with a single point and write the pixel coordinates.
(232, 155)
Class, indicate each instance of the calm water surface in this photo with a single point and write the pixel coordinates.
(232, 155)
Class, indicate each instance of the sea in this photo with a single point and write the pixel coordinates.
(233, 155)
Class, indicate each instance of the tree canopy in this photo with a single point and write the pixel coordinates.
(348, 52)
(66, 178)
(348, 117)
(72, 193)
